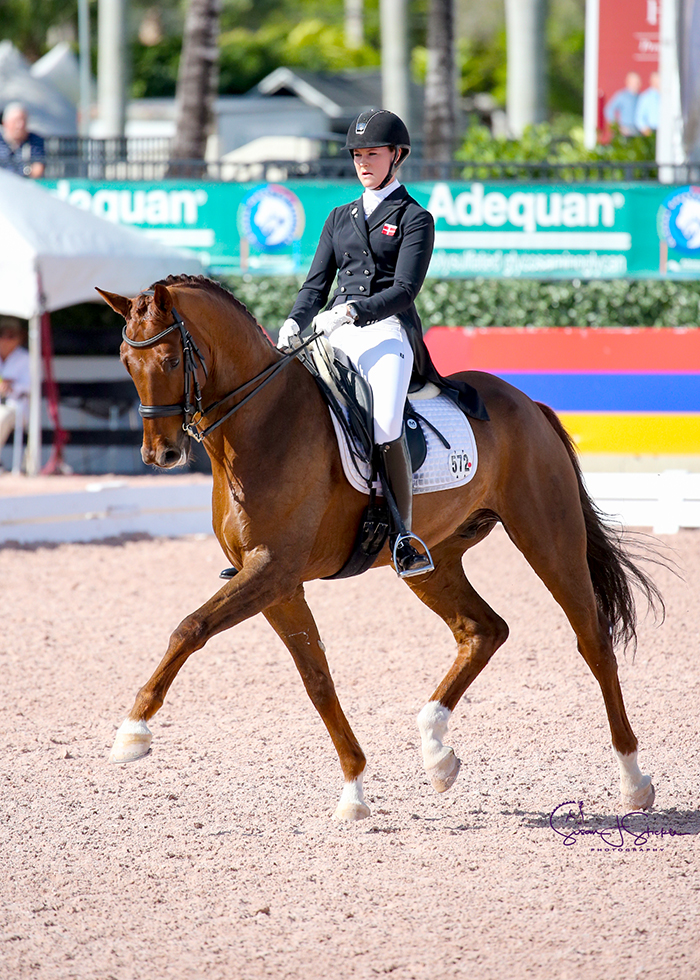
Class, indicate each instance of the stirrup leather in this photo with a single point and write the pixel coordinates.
(420, 564)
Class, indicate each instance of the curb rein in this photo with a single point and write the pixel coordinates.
(194, 412)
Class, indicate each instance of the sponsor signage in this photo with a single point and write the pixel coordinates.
(543, 231)
(628, 40)
(622, 36)
(512, 231)
(261, 228)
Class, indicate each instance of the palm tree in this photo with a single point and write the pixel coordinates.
(440, 118)
(197, 83)
(25, 23)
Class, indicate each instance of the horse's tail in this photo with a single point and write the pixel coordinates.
(613, 569)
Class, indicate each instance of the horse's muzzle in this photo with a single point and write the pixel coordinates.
(166, 455)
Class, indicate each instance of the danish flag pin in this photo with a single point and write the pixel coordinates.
(389, 229)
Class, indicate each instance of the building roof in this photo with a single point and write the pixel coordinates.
(340, 96)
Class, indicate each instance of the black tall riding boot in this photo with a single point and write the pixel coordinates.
(397, 467)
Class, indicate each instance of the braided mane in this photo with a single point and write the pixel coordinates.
(202, 282)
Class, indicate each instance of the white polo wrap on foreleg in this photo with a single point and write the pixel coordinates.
(432, 724)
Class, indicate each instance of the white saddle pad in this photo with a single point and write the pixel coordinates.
(443, 468)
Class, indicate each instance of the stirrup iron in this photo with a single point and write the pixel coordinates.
(421, 563)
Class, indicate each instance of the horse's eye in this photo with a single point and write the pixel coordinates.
(173, 362)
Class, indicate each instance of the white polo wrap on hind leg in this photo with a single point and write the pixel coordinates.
(635, 788)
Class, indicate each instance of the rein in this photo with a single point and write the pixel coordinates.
(194, 412)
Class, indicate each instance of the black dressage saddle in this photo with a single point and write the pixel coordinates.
(349, 397)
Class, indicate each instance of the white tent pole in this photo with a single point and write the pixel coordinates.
(35, 374)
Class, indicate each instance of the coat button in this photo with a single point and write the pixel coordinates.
(364, 252)
(362, 289)
(342, 289)
(349, 272)
(367, 272)
(347, 254)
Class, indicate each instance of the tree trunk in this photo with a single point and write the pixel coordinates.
(197, 84)
(440, 122)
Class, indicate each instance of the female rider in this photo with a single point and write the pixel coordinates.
(380, 247)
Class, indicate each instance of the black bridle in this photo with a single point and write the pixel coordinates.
(193, 410)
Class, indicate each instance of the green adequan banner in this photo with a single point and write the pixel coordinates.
(542, 231)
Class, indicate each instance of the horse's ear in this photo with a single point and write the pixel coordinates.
(120, 304)
(162, 299)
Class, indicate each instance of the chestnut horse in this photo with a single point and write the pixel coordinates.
(284, 514)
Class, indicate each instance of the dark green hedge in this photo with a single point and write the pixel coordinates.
(512, 302)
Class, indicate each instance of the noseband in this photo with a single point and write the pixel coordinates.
(194, 412)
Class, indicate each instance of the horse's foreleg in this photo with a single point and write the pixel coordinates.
(294, 624)
(479, 632)
(239, 599)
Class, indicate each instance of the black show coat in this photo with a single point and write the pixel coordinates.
(380, 264)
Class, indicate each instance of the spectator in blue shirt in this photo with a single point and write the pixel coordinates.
(20, 150)
(621, 108)
(646, 117)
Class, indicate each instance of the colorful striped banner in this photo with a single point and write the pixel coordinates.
(617, 390)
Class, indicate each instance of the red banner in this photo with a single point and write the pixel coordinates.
(628, 41)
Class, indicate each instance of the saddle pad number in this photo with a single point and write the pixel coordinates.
(445, 466)
(459, 463)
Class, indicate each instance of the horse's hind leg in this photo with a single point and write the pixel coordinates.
(479, 632)
(555, 547)
(570, 586)
(294, 624)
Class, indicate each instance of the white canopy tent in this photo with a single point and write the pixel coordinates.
(53, 255)
(51, 113)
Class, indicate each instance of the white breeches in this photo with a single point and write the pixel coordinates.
(382, 354)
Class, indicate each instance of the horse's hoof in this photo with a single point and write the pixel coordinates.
(641, 799)
(347, 813)
(443, 775)
(351, 805)
(133, 741)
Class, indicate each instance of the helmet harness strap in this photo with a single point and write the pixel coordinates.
(392, 168)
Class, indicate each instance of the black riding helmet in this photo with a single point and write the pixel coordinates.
(379, 127)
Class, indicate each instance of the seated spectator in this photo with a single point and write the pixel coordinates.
(621, 108)
(646, 116)
(20, 150)
(14, 376)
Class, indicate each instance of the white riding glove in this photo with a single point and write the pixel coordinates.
(330, 320)
(288, 331)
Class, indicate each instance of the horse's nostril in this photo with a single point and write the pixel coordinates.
(171, 456)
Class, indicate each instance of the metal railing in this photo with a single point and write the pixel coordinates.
(144, 159)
